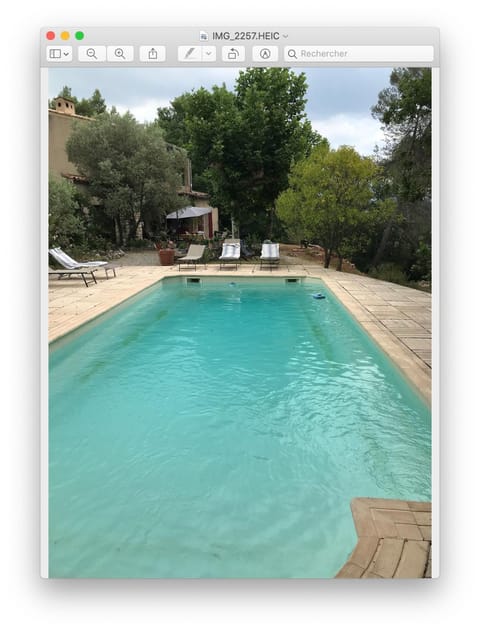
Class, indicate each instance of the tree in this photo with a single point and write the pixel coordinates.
(132, 175)
(331, 199)
(405, 110)
(276, 131)
(65, 221)
(243, 143)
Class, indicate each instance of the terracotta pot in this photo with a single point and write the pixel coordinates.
(166, 256)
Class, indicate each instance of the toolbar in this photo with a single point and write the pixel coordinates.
(177, 46)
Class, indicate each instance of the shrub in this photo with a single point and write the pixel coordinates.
(65, 219)
(390, 272)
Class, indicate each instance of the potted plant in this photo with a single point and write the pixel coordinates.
(166, 250)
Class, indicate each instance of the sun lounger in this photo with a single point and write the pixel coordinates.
(83, 272)
(270, 255)
(70, 264)
(230, 253)
(194, 254)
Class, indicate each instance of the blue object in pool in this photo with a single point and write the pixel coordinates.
(318, 295)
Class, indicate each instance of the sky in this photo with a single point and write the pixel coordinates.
(338, 99)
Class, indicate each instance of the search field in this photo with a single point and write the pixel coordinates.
(92, 53)
(342, 54)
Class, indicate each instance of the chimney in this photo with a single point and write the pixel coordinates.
(65, 106)
(187, 175)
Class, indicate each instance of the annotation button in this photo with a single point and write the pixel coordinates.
(197, 53)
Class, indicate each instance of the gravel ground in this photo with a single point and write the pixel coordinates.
(288, 254)
(139, 258)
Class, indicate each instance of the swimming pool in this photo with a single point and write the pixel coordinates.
(220, 429)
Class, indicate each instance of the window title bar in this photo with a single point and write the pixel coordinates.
(178, 46)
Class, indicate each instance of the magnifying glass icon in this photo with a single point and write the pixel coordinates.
(292, 53)
(91, 53)
(119, 53)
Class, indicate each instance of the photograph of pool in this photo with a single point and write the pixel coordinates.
(220, 428)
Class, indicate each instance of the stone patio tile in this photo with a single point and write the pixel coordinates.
(364, 552)
(425, 356)
(387, 558)
(362, 315)
(409, 333)
(418, 344)
(382, 311)
(426, 532)
(413, 561)
(402, 303)
(428, 570)
(417, 314)
(364, 525)
(402, 322)
(384, 527)
(366, 502)
(373, 326)
(361, 295)
(395, 515)
(424, 322)
(418, 505)
(423, 518)
(388, 297)
(409, 531)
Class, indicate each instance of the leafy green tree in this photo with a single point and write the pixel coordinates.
(65, 221)
(406, 113)
(405, 109)
(243, 143)
(331, 199)
(132, 175)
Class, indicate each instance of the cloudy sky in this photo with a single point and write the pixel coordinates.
(339, 99)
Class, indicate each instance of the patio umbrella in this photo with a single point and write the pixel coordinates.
(190, 211)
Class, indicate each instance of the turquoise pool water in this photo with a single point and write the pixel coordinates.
(221, 430)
